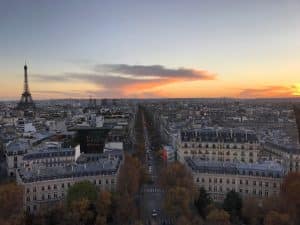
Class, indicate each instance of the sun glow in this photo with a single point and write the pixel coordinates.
(296, 90)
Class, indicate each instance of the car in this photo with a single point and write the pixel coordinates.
(154, 213)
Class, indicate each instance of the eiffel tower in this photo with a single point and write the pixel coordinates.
(26, 101)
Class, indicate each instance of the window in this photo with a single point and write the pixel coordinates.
(209, 180)
(28, 190)
(254, 183)
(241, 181)
(233, 181)
(274, 185)
(106, 181)
(55, 187)
(43, 188)
(49, 187)
(267, 184)
(203, 180)
(62, 185)
(197, 180)
(99, 181)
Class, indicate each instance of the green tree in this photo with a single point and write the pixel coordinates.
(233, 205)
(82, 190)
(202, 202)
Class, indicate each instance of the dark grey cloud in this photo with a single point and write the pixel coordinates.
(116, 79)
(153, 70)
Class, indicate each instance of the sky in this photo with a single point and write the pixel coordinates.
(150, 49)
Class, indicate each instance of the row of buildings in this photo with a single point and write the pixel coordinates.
(62, 145)
(227, 146)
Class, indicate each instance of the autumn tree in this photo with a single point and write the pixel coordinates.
(176, 175)
(125, 210)
(290, 195)
(276, 218)
(131, 176)
(80, 212)
(103, 206)
(11, 204)
(252, 211)
(177, 201)
(218, 217)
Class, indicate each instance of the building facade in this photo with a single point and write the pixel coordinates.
(45, 186)
(248, 179)
(218, 144)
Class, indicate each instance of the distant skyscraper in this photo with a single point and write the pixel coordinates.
(26, 101)
(297, 116)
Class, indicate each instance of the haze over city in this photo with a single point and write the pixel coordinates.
(150, 49)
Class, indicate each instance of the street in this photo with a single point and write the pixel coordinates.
(151, 195)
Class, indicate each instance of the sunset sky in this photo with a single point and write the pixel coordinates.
(157, 48)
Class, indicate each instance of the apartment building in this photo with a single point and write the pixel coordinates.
(260, 179)
(220, 144)
(49, 185)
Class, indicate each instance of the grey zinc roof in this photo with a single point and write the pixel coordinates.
(101, 167)
(266, 168)
(49, 153)
(17, 147)
(219, 135)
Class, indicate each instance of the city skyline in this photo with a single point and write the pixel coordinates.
(136, 49)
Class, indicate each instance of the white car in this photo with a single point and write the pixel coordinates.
(154, 213)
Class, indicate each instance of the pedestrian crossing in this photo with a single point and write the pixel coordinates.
(152, 190)
(161, 221)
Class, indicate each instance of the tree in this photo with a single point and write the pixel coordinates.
(251, 211)
(125, 209)
(276, 218)
(290, 195)
(103, 207)
(233, 205)
(218, 217)
(176, 175)
(131, 176)
(82, 190)
(177, 201)
(202, 202)
(11, 203)
(81, 212)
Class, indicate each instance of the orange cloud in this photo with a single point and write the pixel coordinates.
(270, 92)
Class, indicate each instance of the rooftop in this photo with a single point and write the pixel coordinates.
(265, 168)
(101, 167)
(210, 134)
